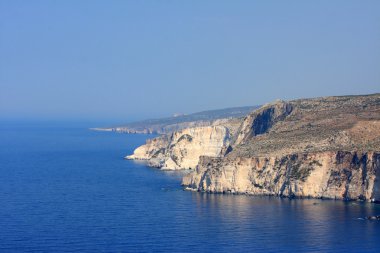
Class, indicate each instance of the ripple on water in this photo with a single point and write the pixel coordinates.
(70, 190)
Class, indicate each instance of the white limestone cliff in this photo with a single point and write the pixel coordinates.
(182, 149)
(322, 148)
(334, 175)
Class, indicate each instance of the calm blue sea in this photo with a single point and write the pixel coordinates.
(68, 189)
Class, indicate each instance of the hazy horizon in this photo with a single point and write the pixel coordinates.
(120, 61)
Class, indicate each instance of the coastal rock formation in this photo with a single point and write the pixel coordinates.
(337, 175)
(323, 147)
(151, 149)
(182, 149)
(261, 120)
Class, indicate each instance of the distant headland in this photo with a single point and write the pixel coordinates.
(325, 147)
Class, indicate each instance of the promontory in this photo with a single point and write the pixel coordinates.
(326, 147)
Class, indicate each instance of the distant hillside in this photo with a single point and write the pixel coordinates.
(170, 124)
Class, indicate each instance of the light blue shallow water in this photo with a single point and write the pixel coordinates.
(67, 189)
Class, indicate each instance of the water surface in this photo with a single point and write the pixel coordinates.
(65, 189)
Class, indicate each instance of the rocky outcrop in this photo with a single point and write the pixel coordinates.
(182, 149)
(152, 149)
(323, 147)
(337, 175)
(261, 120)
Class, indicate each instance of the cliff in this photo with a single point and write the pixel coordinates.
(323, 148)
(337, 175)
(182, 149)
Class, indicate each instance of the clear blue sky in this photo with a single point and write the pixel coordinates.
(122, 60)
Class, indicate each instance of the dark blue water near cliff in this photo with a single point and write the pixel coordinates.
(67, 189)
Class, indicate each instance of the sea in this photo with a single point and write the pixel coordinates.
(65, 188)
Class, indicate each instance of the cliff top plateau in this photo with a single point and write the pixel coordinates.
(344, 123)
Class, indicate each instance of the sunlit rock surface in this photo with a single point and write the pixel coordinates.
(323, 148)
(182, 149)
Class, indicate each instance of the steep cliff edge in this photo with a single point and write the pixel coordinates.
(323, 147)
(337, 175)
(182, 149)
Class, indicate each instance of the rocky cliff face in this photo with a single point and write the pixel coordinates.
(260, 121)
(338, 175)
(324, 147)
(152, 149)
(182, 149)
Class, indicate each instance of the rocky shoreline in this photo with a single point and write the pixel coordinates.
(315, 148)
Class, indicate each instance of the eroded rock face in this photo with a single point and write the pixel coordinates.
(323, 148)
(261, 120)
(337, 175)
(182, 149)
(153, 148)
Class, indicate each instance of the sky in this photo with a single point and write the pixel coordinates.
(129, 60)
